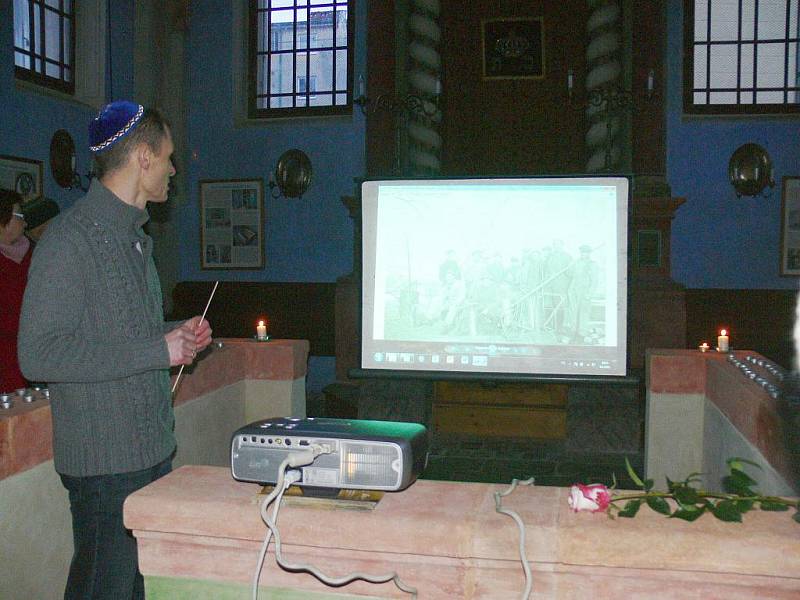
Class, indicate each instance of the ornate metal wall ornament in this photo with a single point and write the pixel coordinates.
(750, 170)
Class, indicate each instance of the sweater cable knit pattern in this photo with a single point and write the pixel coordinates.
(92, 327)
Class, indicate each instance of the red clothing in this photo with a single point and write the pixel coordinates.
(13, 278)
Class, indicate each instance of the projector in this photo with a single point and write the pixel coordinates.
(362, 455)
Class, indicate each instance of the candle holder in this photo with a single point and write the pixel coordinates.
(427, 105)
(262, 338)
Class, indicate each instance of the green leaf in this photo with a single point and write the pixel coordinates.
(736, 462)
(796, 516)
(744, 505)
(776, 506)
(671, 485)
(688, 513)
(743, 477)
(648, 485)
(685, 495)
(632, 474)
(631, 508)
(734, 484)
(613, 481)
(726, 510)
(659, 505)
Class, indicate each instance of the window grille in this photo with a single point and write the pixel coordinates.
(44, 43)
(741, 56)
(300, 57)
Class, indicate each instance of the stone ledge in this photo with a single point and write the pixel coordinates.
(676, 375)
(278, 360)
(26, 433)
(447, 539)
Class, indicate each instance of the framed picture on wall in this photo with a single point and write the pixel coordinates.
(513, 48)
(232, 224)
(23, 175)
(790, 226)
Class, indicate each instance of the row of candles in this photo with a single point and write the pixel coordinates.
(723, 343)
(723, 339)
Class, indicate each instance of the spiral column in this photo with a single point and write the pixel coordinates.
(604, 64)
(423, 76)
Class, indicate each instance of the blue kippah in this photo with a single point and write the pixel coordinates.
(112, 123)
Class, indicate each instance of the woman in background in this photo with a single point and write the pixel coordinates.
(15, 258)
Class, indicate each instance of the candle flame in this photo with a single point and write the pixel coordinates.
(723, 332)
(261, 324)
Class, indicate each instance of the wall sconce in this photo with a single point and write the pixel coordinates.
(608, 96)
(750, 171)
(606, 106)
(292, 175)
(62, 162)
(426, 105)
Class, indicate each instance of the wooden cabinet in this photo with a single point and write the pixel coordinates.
(527, 410)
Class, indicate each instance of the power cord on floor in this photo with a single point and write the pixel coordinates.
(498, 507)
(286, 479)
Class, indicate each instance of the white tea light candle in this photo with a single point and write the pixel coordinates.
(723, 342)
(704, 347)
(261, 331)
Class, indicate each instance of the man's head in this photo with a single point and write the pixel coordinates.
(126, 134)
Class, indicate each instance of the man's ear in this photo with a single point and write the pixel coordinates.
(143, 156)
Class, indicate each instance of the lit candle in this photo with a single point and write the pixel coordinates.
(723, 341)
(570, 81)
(261, 331)
(704, 347)
(651, 78)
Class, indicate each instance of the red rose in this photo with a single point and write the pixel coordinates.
(594, 497)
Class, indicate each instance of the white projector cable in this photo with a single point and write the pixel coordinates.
(299, 459)
(294, 459)
(498, 507)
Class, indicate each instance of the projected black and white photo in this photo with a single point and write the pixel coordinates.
(469, 272)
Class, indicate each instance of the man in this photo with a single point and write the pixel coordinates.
(92, 326)
(581, 288)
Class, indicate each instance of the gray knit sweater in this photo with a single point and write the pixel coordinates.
(92, 327)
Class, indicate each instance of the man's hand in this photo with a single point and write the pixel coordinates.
(186, 340)
(202, 332)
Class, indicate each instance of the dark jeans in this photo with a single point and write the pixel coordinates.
(105, 563)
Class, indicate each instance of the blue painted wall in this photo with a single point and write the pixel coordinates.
(28, 118)
(308, 239)
(719, 240)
